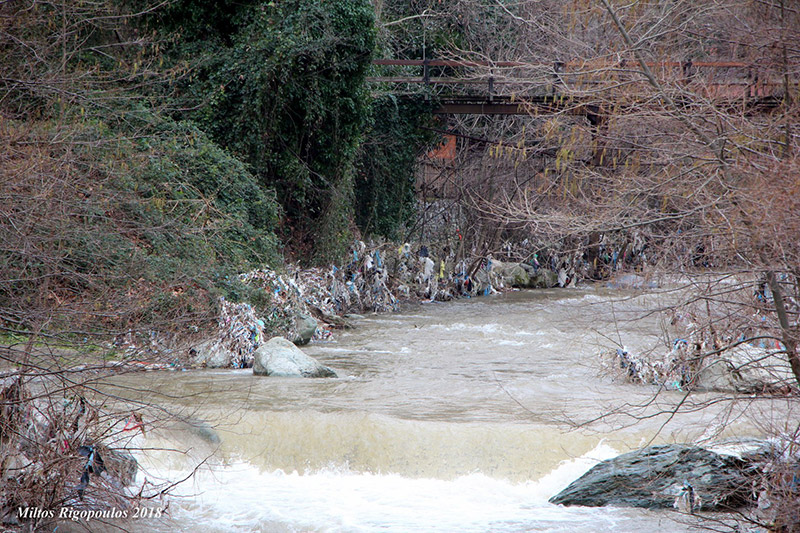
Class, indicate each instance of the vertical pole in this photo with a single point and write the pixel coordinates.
(687, 71)
(558, 68)
(787, 92)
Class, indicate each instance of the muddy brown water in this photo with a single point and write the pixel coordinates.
(451, 417)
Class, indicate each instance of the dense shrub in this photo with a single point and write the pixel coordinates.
(386, 179)
(116, 233)
(287, 95)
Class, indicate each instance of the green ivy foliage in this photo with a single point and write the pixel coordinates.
(190, 179)
(117, 215)
(282, 86)
(385, 184)
(288, 97)
(126, 229)
(194, 21)
(196, 217)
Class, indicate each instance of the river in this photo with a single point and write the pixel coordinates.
(451, 417)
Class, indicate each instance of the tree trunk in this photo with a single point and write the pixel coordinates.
(788, 335)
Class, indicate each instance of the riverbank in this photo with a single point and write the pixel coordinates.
(304, 304)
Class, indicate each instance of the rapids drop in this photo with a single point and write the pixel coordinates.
(447, 417)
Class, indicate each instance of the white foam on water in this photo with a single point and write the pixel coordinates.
(241, 497)
(461, 326)
(536, 333)
(504, 342)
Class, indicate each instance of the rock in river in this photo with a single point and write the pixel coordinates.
(745, 368)
(121, 464)
(655, 476)
(631, 281)
(544, 279)
(279, 357)
(305, 325)
(212, 354)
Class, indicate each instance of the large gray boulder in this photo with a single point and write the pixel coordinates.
(516, 276)
(280, 357)
(746, 369)
(520, 276)
(544, 279)
(512, 274)
(655, 476)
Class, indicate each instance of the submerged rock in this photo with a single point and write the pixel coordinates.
(212, 354)
(631, 281)
(305, 325)
(333, 320)
(279, 357)
(203, 429)
(121, 465)
(657, 476)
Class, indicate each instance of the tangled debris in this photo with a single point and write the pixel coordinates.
(722, 357)
(53, 455)
(240, 332)
(311, 302)
(674, 371)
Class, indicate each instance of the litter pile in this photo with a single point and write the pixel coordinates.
(56, 442)
(301, 304)
(706, 359)
(674, 371)
(240, 331)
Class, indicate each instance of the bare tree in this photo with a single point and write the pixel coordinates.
(670, 144)
(74, 285)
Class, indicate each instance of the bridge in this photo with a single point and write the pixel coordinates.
(589, 88)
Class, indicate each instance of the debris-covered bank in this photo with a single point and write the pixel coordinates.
(310, 303)
(727, 345)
